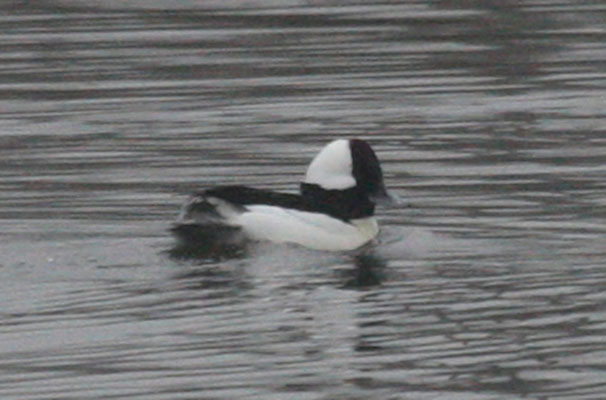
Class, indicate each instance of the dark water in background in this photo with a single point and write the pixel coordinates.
(489, 117)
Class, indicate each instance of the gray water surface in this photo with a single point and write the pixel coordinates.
(489, 118)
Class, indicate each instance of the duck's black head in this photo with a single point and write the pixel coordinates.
(346, 177)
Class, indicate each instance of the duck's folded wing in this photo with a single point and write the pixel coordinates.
(243, 196)
(223, 203)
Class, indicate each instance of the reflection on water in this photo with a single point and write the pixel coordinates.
(488, 117)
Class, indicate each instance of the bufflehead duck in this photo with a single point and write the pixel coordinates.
(334, 210)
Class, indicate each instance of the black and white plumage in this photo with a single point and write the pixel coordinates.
(334, 210)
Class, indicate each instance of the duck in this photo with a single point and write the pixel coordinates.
(333, 211)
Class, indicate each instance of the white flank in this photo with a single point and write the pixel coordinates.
(332, 167)
(312, 230)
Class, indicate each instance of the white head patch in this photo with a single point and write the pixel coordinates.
(332, 167)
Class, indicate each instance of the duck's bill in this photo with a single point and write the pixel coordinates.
(388, 199)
